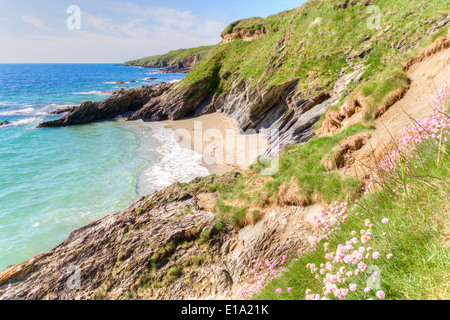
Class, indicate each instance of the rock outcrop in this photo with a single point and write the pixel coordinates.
(122, 102)
(63, 110)
(165, 246)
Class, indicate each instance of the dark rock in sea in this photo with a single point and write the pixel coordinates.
(63, 110)
(4, 123)
(121, 102)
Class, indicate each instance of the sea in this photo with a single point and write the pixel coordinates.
(56, 180)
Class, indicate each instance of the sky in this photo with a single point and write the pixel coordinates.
(114, 31)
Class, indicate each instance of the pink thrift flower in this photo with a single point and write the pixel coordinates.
(385, 220)
(353, 287)
(381, 294)
(289, 290)
(278, 290)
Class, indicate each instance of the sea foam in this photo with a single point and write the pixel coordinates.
(175, 163)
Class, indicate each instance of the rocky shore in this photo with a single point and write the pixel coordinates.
(165, 246)
(282, 108)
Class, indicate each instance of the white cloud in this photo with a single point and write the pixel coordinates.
(125, 32)
(34, 22)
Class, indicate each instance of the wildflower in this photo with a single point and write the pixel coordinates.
(376, 255)
(385, 220)
(389, 256)
(278, 290)
(362, 266)
(381, 294)
(353, 287)
(289, 290)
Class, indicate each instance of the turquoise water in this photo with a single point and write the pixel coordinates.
(55, 180)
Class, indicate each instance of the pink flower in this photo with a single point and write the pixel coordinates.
(390, 256)
(385, 220)
(289, 290)
(278, 290)
(381, 294)
(376, 255)
(353, 287)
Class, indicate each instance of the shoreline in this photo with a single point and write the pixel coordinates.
(217, 137)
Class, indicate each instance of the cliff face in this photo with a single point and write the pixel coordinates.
(243, 35)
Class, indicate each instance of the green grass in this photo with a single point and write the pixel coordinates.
(417, 236)
(170, 59)
(300, 164)
(379, 90)
(316, 39)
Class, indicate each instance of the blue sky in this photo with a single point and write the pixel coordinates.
(113, 31)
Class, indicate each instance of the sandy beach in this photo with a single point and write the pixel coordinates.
(217, 137)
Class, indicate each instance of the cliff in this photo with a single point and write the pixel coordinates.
(177, 61)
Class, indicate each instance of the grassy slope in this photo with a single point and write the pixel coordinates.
(383, 76)
(300, 165)
(317, 38)
(417, 236)
(171, 58)
(416, 241)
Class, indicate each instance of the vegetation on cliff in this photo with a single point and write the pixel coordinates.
(396, 235)
(318, 41)
(307, 174)
(173, 58)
